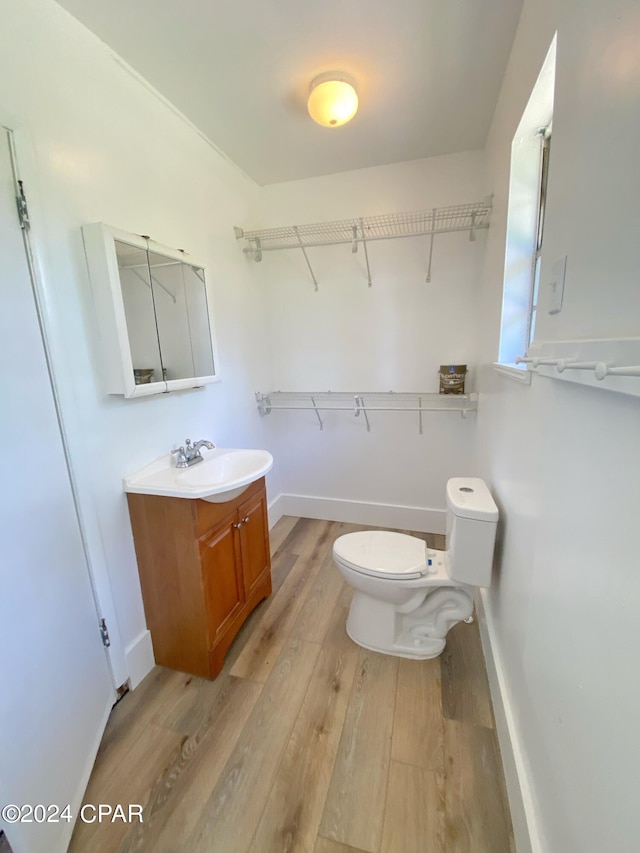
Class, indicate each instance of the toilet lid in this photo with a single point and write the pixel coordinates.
(382, 554)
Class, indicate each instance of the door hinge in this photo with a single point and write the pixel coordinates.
(104, 633)
(23, 210)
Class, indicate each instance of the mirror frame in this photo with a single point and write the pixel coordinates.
(104, 275)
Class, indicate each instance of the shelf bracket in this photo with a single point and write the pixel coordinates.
(433, 229)
(264, 403)
(304, 252)
(257, 252)
(360, 407)
(354, 246)
(317, 413)
(366, 253)
(154, 281)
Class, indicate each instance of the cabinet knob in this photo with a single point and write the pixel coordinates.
(238, 525)
(246, 520)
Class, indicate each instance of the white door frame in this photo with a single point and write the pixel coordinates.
(24, 160)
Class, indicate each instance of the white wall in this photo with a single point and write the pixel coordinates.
(392, 336)
(562, 460)
(107, 149)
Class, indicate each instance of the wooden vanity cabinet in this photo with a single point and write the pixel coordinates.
(203, 568)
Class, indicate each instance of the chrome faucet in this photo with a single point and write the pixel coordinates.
(189, 454)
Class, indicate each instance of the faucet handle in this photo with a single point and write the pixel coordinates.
(187, 441)
(182, 457)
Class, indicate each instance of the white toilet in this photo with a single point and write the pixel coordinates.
(406, 596)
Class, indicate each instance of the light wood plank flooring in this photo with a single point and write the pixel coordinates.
(306, 742)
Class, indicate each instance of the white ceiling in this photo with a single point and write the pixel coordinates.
(428, 73)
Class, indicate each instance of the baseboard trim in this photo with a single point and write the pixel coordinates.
(359, 512)
(139, 657)
(523, 817)
(275, 511)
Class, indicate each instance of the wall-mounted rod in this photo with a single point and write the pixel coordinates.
(274, 406)
(304, 252)
(368, 239)
(601, 369)
(354, 402)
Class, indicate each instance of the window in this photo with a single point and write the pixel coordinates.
(525, 219)
(545, 136)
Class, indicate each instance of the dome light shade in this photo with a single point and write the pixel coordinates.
(332, 100)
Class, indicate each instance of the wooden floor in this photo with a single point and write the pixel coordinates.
(307, 742)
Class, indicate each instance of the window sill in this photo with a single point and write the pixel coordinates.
(513, 372)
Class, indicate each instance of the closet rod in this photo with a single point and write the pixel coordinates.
(601, 368)
(346, 401)
(364, 407)
(368, 239)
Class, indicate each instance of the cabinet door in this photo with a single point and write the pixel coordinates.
(221, 578)
(254, 539)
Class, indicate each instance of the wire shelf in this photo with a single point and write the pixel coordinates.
(441, 220)
(391, 226)
(364, 402)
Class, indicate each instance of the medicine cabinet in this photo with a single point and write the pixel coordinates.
(153, 313)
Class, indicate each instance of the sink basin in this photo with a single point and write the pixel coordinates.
(224, 474)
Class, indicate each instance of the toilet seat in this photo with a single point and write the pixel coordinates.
(382, 554)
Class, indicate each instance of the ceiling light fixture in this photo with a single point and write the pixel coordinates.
(332, 99)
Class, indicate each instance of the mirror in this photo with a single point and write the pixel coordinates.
(161, 312)
(137, 296)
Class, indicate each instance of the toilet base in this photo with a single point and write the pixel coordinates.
(400, 651)
(420, 634)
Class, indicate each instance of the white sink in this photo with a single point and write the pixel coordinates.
(224, 474)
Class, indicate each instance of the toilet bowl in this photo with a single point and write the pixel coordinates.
(407, 596)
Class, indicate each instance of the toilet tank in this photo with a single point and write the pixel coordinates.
(472, 519)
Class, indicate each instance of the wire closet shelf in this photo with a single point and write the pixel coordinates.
(391, 226)
(363, 402)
